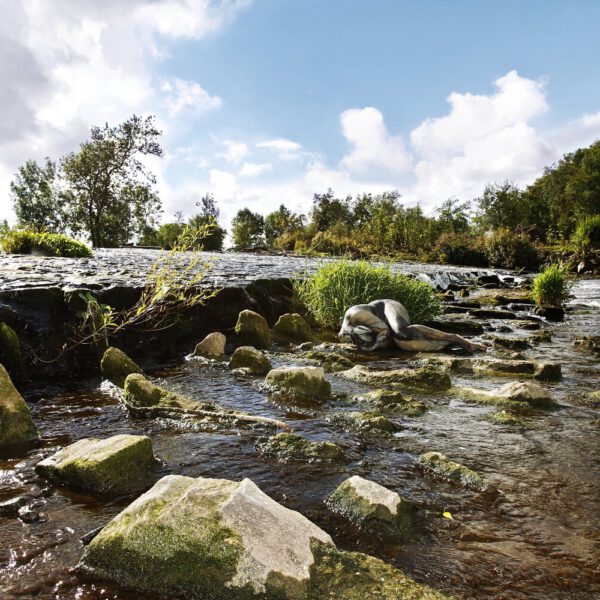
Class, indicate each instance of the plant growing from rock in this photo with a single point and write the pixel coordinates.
(551, 287)
(28, 241)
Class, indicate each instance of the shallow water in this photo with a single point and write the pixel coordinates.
(537, 538)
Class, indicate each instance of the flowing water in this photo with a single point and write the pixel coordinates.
(537, 538)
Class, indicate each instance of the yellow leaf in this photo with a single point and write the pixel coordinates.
(448, 515)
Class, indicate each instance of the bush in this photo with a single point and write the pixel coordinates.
(337, 285)
(587, 234)
(461, 249)
(551, 287)
(508, 250)
(25, 241)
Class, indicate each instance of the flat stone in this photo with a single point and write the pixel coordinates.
(291, 448)
(292, 327)
(212, 346)
(332, 362)
(459, 326)
(426, 378)
(510, 343)
(116, 464)
(251, 360)
(116, 365)
(516, 391)
(16, 424)
(364, 422)
(489, 313)
(308, 382)
(252, 329)
(440, 466)
(393, 401)
(493, 366)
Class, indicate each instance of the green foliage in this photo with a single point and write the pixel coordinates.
(26, 241)
(336, 286)
(168, 234)
(215, 234)
(248, 230)
(281, 222)
(461, 249)
(551, 287)
(500, 206)
(509, 250)
(587, 234)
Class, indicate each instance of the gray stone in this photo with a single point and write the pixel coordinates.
(251, 360)
(252, 329)
(212, 346)
(116, 365)
(16, 424)
(291, 447)
(493, 366)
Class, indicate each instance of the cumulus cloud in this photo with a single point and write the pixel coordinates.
(255, 169)
(182, 95)
(283, 148)
(234, 151)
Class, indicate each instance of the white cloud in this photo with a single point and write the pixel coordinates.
(255, 169)
(187, 95)
(283, 148)
(372, 146)
(235, 151)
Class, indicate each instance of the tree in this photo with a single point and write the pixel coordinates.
(35, 197)
(453, 217)
(209, 216)
(280, 222)
(107, 184)
(247, 229)
(501, 205)
(328, 210)
(168, 234)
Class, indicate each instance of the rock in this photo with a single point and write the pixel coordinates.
(252, 329)
(440, 466)
(251, 360)
(374, 508)
(364, 422)
(464, 293)
(393, 401)
(330, 361)
(527, 392)
(489, 279)
(116, 365)
(588, 342)
(10, 508)
(141, 393)
(510, 343)
(10, 351)
(306, 346)
(16, 424)
(552, 313)
(527, 325)
(490, 313)
(505, 417)
(207, 538)
(212, 346)
(494, 366)
(292, 327)
(290, 448)
(458, 326)
(117, 464)
(424, 378)
(307, 382)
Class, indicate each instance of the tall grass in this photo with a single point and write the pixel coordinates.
(336, 286)
(587, 234)
(26, 241)
(551, 287)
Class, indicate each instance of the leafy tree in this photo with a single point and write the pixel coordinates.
(108, 185)
(453, 216)
(248, 229)
(501, 205)
(168, 234)
(209, 216)
(280, 222)
(35, 197)
(328, 210)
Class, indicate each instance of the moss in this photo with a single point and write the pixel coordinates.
(301, 382)
(330, 361)
(251, 360)
(509, 419)
(16, 424)
(364, 422)
(394, 401)
(116, 365)
(511, 343)
(252, 329)
(440, 466)
(25, 241)
(10, 351)
(337, 575)
(293, 327)
(290, 447)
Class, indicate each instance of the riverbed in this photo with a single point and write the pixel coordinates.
(537, 538)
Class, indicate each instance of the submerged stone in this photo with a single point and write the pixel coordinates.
(290, 448)
(507, 418)
(428, 378)
(116, 365)
(293, 327)
(116, 464)
(438, 465)
(212, 346)
(330, 361)
(252, 329)
(493, 366)
(251, 360)
(516, 391)
(16, 424)
(373, 507)
(510, 343)
(306, 382)
(393, 401)
(365, 422)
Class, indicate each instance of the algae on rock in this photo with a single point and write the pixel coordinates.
(251, 360)
(511, 394)
(393, 401)
(440, 466)
(16, 424)
(332, 362)
(292, 327)
(116, 366)
(290, 448)
(10, 351)
(428, 377)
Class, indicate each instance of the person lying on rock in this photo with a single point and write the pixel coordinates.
(381, 324)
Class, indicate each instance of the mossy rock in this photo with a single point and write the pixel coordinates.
(510, 343)
(212, 346)
(428, 377)
(16, 424)
(292, 327)
(510, 394)
(117, 464)
(300, 382)
(116, 365)
(367, 422)
(10, 351)
(290, 448)
(393, 401)
(508, 419)
(374, 508)
(252, 329)
(440, 466)
(330, 361)
(251, 360)
(497, 367)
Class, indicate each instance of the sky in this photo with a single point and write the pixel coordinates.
(263, 102)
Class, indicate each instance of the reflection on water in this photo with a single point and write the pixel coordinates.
(537, 538)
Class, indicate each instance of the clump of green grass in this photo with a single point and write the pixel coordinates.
(587, 234)
(551, 287)
(26, 241)
(336, 286)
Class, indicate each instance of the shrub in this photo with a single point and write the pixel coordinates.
(551, 287)
(25, 241)
(587, 234)
(509, 250)
(336, 286)
(461, 249)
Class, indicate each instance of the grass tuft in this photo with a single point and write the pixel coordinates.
(551, 287)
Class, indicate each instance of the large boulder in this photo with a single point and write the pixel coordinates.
(516, 391)
(117, 464)
(251, 360)
(116, 365)
(292, 327)
(16, 424)
(252, 329)
(291, 448)
(212, 346)
(440, 466)
(373, 507)
(428, 378)
(303, 382)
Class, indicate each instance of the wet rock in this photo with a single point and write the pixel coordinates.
(552, 313)
(493, 366)
(290, 448)
(510, 343)
(306, 346)
(306, 382)
(374, 508)
(440, 466)
(16, 424)
(364, 422)
(116, 464)
(252, 329)
(527, 325)
(429, 377)
(489, 280)
(516, 391)
(30, 514)
(212, 346)
(10, 351)
(207, 538)
(588, 342)
(10, 508)
(541, 336)
(507, 418)
(393, 401)
(251, 360)
(116, 365)
(292, 327)
(489, 313)
(330, 361)
(458, 326)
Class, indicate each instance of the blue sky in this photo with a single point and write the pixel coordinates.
(269, 101)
